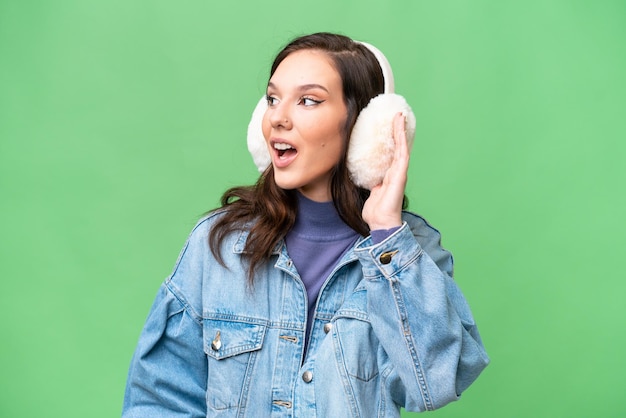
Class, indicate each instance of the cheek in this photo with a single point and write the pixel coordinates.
(333, 138)
(331, 148)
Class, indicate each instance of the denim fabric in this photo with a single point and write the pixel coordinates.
(388, 332)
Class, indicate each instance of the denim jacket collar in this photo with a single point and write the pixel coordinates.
(280, 248)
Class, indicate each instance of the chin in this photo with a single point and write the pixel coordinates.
(285, 184)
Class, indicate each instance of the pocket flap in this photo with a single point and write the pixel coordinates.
(223, 339)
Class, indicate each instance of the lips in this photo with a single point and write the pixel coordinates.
(284, 153)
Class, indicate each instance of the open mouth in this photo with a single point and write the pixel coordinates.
(284, 151)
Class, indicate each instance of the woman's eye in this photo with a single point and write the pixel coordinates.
(271, 100)
(307, 101)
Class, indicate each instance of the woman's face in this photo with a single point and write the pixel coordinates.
(303, 125)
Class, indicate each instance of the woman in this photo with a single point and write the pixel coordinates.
(305, 294)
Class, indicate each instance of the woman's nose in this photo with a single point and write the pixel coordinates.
(280, 116)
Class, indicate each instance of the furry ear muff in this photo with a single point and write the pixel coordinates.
(371, 145)
(256, 140)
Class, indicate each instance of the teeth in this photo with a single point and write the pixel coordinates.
(282, 147)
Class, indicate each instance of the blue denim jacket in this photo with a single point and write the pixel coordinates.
(391, 329)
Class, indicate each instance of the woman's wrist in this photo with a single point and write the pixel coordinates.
(385, 223)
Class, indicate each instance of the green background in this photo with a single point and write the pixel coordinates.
(121, 122)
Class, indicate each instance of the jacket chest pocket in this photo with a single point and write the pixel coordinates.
(356, 341)
(357, 346)
(231, 348)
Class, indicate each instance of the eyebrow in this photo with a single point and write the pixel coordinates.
(303, 87)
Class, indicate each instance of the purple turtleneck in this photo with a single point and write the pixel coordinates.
(316, 243)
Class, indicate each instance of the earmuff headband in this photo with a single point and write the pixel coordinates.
(371, 144)
(384, 65)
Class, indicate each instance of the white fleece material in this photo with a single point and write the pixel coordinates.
(371, 148)
(256, 140)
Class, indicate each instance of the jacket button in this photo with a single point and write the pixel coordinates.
(327, 327)
(385, 258)
(216, 344)
(307, 376)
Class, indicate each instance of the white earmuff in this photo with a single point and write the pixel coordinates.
(256, 141)
(371, 145)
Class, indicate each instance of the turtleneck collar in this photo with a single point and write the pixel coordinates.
(319, 221)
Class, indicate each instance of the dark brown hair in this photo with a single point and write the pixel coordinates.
(268, 211)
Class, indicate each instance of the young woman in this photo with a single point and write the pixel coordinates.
(306, 295)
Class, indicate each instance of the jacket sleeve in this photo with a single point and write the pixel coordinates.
(420, 317)
(167, 375)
